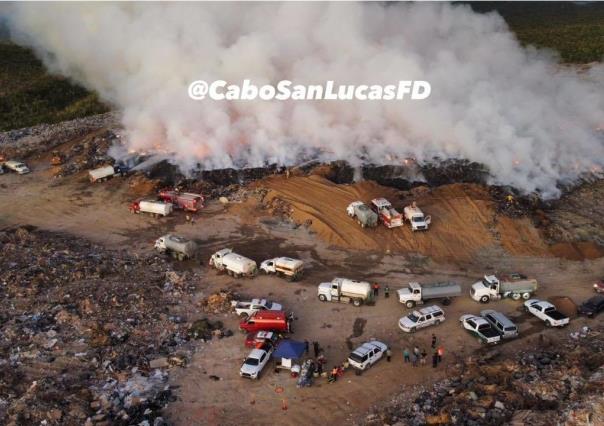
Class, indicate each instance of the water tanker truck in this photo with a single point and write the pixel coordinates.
(178, 247)
(233, 263)
(417, 294)
(287, 267)
(345, 290)
(154, 208)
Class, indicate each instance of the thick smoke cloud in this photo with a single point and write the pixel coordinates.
(530, 120)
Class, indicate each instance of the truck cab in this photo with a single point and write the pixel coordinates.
(216, 259)
(410, 296)
(386, 213)
(486, 289)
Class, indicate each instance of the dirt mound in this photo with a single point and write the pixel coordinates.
(464, 218)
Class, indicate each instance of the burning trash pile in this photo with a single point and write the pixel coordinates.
(81, 328)
(555, 384)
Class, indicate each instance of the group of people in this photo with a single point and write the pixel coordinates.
(420, 357)
(376, 290)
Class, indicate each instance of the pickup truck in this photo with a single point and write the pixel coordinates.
(246, 309)
(546, 312)
(481, 328)
(254, 363)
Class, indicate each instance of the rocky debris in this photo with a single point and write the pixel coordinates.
(577, 216)
(80, 323)
(557, 383)
(22, 143)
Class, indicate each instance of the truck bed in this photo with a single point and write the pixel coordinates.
(555, 315)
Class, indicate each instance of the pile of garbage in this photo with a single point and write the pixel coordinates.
(558, 383)
(82, 327)
(21, 143)
(217, 303)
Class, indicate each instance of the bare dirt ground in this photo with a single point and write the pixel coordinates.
(467, 239)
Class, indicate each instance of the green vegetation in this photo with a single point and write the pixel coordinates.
(30, 96)
(575, 30)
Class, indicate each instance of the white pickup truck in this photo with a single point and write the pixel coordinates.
(546, 312)
(416, 218)
(254, 363)
(246, 309)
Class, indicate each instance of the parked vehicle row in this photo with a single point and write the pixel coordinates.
(381, 210)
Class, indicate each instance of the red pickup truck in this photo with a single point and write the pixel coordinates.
(266, 321)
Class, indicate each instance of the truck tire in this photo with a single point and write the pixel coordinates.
(357, 302)
(363, 225)
(526, 296)
(437, 322)
(410, 304)
(484, 299)
(322, 298)
(244, 315)
(548, 323)
(516, 296)
(412, 329)
(447, 301)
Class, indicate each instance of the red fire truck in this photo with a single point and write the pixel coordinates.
(182, 200)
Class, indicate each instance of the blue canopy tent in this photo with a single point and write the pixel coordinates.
(287, 351)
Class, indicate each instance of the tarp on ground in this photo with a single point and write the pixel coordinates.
(289, 349)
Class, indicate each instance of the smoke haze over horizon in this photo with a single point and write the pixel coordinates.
(532, 121)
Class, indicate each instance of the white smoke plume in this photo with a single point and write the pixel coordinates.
(530, 120)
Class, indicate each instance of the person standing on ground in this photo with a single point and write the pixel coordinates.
(424, 355)
(440, 352)
(415, 359)
(376, 289)
(316, 348)
(416, 351)
(434, 359)
(386, 292)
(306, 345)
(388, 354)
(406, 356)
(433, 341)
